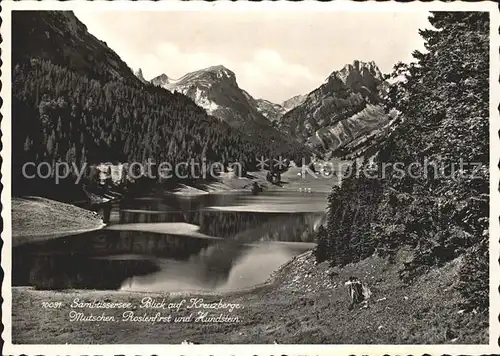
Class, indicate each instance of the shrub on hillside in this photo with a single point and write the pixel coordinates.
(474, 277)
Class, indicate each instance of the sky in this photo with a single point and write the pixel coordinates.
(274, 55)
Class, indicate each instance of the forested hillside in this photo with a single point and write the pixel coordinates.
(440, 213)
(60, 37)
(61, 114)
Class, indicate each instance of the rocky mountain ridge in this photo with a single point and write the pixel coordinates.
(160, 80)
(344, 107)
(202, 85)
(293, 102)
(269, 109)
(140, 76)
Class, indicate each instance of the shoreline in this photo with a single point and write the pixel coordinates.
(18, 240)
(301, 302)
(291, 181)
(271, 281)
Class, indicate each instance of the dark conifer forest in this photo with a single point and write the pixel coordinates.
(65, 108)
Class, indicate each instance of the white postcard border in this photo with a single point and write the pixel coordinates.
(221, 350)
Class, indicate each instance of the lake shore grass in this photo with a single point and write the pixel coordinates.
(291, 181)
(300, 303)
(37, 219)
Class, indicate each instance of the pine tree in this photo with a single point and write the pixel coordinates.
(51, 144)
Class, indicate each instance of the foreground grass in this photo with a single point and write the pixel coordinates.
(35, 218)
(300, 304)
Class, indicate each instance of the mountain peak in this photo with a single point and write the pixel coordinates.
(270, 110)
(360, 67)
(218, 67)
(361, 77)
(162, 76)
(341, 110)
(160, 80)
(220, 71)
(293, 102)
(140, 76)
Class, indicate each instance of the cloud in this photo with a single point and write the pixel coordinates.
(269, 61)
(265, 72)
(276, 79)
(169, 59)
(188, 61)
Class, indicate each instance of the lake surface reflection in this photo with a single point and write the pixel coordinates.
(176, 244)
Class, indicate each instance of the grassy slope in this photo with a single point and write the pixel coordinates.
(40, 218)
(301, 305)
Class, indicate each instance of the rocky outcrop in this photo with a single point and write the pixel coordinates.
(215, 89)
(293, 102)
(345, 107)
(275, 112)
(270, 110)
(161, 80)
(364, 78)
(140, 76)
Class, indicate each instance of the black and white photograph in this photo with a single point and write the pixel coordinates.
(206, 174)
